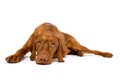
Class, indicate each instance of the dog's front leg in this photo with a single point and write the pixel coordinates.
(17, 57)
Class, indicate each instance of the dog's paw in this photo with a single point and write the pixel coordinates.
(32, 58)
(60, 60)
(107, 54)
(80, 54)
(13, 59)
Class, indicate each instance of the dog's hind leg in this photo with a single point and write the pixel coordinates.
(72, 44)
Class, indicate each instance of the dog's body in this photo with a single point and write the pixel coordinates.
(48, 42)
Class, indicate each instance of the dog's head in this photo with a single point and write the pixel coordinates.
(47, 44)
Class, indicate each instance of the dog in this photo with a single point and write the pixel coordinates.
(47, 42)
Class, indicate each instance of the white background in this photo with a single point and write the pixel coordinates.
(94, 23)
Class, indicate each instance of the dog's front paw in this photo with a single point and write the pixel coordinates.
(13, 59)
(32, 58)
(60, 60)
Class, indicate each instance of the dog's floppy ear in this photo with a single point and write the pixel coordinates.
(62, 48)
(33, 49)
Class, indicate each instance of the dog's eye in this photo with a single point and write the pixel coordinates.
(53, 45)
(39, 42)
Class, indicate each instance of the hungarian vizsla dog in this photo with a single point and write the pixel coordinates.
(47, 42)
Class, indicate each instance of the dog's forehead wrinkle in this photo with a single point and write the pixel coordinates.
(47, 36)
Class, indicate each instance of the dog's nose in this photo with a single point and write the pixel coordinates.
(43, 60)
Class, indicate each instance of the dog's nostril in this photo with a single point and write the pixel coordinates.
(43, 60)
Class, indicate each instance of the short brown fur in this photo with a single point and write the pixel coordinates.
(47, 42)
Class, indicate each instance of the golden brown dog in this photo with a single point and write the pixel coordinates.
(47, 42)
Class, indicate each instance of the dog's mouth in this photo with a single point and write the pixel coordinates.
(41, 63)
